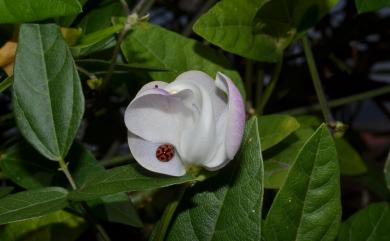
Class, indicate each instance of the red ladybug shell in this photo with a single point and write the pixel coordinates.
(165, 152)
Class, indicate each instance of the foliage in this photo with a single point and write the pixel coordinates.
(66, 171)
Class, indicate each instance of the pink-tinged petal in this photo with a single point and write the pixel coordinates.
(157, 116)
(235, 115)
(144, 152)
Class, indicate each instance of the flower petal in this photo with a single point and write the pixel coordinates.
(144, 152)
(157, 116)
(204, 82)
(158, 85)
(198, 142)
(235, 115)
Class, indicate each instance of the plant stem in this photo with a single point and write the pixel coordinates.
(168, 214)
(86, 72)
(342, 101)
(316, 81)
(65, 170)
(122, 35)
(102, 234)
(269, 89)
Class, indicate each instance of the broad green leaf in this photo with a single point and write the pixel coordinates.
(275, 173)
(4, 191)
(93, 38)
(127, 178)
(116, 208)
(6, 83)
(47, 98)
(66, 21)
(387, 171)
(230, 26)
(285, 20)
(350, 161)
(261, 29)
(96, 21)
(159, 47)
(56, 226)
(18, 11)
(371, 5)
(27, 168)
(274, 128)
(369, 224)
(228, 205)
(307, 206)
(33, 203)
(280, 157)
(284, 154)
(95, 41)
(100, 18)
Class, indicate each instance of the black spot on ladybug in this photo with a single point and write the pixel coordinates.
(165, 152)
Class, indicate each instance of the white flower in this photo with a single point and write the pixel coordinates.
(192, 121)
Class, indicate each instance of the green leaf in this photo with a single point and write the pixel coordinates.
(370, 223)
(274, 128)
(230, 26)
(285, 20)
(91, 39)
(47, 98)
(27, 168)
(4, 191)
(284, 154)
(66, 21)
(261, 29)
(158, 47)
(350, 161)
(5, 84)
(124, 179)
(116, 208)
(95, 41)
(56, 226)
(280, 157)
(227, 206)
(32, 203)
(275, 173)
(18, 11)
(308, 207)
(95, 21)
(371, 5)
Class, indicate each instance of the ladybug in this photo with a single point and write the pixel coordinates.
(165, 152)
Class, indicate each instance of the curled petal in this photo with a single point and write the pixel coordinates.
(198, 141)
(145, 153)
(235, 119)
(202, 81)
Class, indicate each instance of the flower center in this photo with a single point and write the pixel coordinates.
(165, 152)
